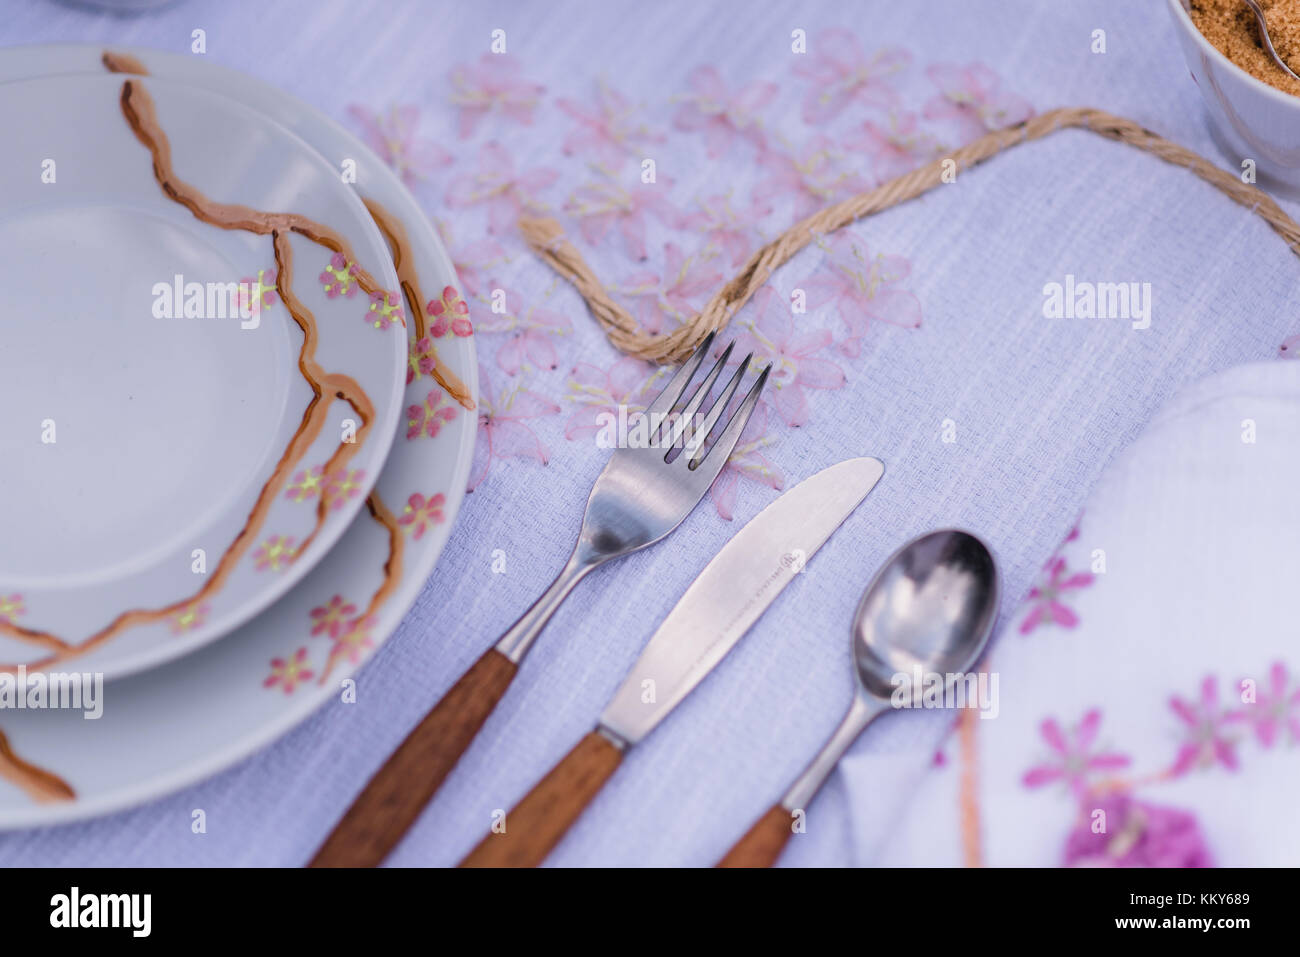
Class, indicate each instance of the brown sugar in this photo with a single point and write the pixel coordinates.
(1231, 28)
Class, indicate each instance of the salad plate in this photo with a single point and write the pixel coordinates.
(175, 724)
(199, 391)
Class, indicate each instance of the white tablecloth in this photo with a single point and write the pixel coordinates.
(1036, 407)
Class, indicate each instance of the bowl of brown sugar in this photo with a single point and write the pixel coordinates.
(1254, 105)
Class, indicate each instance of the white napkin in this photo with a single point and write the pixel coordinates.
(1150, 685)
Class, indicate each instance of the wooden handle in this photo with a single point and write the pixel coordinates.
(538, 822)
(763, 844)
(399, 791)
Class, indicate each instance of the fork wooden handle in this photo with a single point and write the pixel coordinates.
(538, 822)
(763, 843)
(399, 791)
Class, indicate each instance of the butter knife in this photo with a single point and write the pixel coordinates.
(731, 593)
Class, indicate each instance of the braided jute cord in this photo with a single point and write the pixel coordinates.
(546, 236)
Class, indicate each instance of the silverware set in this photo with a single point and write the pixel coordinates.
(932, 605)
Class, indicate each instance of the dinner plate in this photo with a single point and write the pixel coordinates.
(197, 391)
(173, 725)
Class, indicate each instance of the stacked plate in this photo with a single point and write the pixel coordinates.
(238, 419)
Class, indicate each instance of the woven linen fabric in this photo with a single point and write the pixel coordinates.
(988, 415)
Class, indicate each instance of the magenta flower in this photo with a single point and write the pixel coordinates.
(747, 464)
(493, 84)
(895, 146)
(1274, 710)
(496, 184)
(11, 608)
(812, 175)
(842, 75)
(258, 294)
(385, 310)
(1049, 607)
(189, 617)
(329, 618)
(602, 205)
(972, 97)
(629, 383)
(339, 277)
(450, 313)
(503, 427)
(1137, 835)
(306, 484)
(422, 513)
(795, 364)
(677, 294)
(1206, 741)
(342, 486)
(429, 417)
(721, 116)
(732, 230)
(354, 642)
(1073, 758)
(393, 137)
(607, 131)
(862, 288)
(289, 673)
(276, 553)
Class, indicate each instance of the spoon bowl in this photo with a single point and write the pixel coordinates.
(931, 606)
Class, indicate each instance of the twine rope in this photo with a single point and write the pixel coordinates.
(546, 236)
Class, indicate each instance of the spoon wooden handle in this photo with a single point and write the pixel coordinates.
(763, 843)
(399, 791)
(546, 813)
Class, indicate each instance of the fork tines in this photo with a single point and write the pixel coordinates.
(682, 424)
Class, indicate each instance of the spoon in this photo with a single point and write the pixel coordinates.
(1264, 39)
(931, 606)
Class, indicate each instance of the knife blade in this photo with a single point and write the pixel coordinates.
(724, 601)
(734, 589)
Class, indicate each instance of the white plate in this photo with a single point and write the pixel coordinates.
(156, 398)
(174, 725)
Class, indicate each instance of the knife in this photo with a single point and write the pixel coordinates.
(731, 593)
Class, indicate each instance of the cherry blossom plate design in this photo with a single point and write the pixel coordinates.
(175, 724)
(199, 388)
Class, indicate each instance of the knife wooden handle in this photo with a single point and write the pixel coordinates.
(399, 791)
(538, 822)
(763, 843)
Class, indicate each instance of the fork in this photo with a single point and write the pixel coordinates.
(641, 495)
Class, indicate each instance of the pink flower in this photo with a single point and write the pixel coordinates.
(795, 365)
(1073, 757)
(972, 97)
(339, 277)
(342, 486)
(747, 464)
(721, 116)
(11, 608)
(1049, 607)
(258, 294)
(449, 313)
(1206, 742)
(428, 419)
(329, 618)
(530, 333)
(1275, 710)
(895, 147)
(732, 230)
(842, 74)
(629, 383)
(1137, 835)
(492, 84)
(420, 513)
(276, 553)
(812, 175)
(862, 288)
(288, 674)
(496, 185)
(503, 429)
(385, 310)
(604, 204)
(393, 137)
(676, 294)
(354, 642)
(189, 617)
(607, 131)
